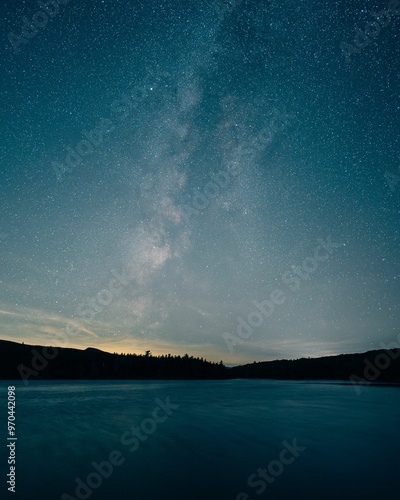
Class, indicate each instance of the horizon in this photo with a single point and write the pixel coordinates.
(229, 365)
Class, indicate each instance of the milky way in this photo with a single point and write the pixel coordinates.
(167, 166)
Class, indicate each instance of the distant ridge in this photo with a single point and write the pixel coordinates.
(30, 362)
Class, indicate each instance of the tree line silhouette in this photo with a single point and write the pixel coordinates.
(35, 362)
(30, 362)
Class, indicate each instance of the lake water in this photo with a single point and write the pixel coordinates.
(337, 444)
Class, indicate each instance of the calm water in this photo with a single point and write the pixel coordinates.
(207, 448)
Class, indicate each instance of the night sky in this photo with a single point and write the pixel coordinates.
(213, 178)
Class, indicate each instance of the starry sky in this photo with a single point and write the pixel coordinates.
(213, 178)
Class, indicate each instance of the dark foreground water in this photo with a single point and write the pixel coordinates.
(309, 440)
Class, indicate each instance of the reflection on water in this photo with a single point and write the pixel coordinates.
(222, 433)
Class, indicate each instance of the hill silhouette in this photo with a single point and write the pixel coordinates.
(27, 362)
(32, 361)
